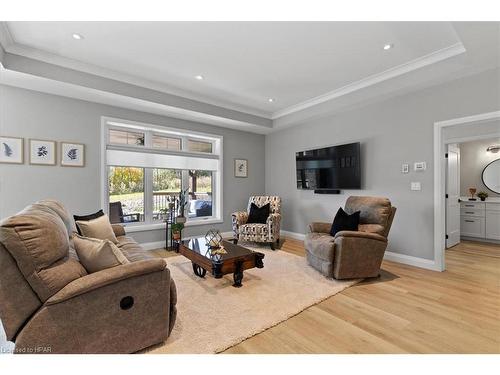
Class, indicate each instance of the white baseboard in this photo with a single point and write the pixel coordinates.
(294, 235)
(411, 260)
(393, 257)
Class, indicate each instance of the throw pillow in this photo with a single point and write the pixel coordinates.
(87, 218)
(344, 221)
(96, 255)
(97, 228)
(258, 215)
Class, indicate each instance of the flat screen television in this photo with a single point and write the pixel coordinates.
(336, 167)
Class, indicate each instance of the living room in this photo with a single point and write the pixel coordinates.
(248, 187)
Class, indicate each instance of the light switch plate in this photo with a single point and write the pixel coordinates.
(420, 166)
(405, 168)
(415, 186)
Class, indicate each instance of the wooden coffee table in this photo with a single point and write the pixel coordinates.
(235, 261)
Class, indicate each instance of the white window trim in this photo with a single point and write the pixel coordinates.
(149, 129)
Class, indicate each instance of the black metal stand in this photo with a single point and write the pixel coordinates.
(170, 243)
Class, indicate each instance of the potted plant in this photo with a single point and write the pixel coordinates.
(176, 231)
(482, 195)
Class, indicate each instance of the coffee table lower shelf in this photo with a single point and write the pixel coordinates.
(235, 261)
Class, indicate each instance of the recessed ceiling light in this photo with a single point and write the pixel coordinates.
(199, 77)
(388, 46)
(270, 100)
(77, 36)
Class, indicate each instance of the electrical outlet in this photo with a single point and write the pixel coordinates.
(405, 168)
(415, 186)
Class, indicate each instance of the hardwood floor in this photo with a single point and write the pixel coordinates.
(406, 310)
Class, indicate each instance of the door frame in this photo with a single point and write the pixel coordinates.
(440, 176)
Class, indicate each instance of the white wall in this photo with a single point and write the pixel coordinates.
(31, 114)
(473, 159)
(391, 132)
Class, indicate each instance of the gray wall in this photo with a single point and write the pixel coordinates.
(392, 132)
(473, 159)
(31, 114)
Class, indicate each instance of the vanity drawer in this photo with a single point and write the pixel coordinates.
(471, 212)
(472, 226)
(474, 205)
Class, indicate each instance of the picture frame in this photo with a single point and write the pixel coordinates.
(11, 150)
(42, 152)
(72, 154)
(241, 168)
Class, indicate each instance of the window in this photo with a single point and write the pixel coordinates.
(199, 146)
(126, 194)
(168, 143)
(167, 184)
(200, 193)
(143, 182)
(126, 137)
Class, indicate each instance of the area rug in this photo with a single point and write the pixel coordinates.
(212, 315)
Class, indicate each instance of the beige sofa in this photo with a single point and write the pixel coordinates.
(352, 254)
(49, 304)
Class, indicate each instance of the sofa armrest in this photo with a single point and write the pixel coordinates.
(358, 234)
(273, 219)
(106, 277)
(118, 229)
(240, 217)
(320, 227)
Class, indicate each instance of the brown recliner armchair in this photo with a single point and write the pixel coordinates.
(352, 254)
(49, 304)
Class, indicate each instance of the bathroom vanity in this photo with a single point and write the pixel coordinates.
(480, 220)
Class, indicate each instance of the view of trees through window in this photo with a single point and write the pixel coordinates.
(126, 185)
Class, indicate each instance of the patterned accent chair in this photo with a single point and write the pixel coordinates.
(269, 232)
(352, 254)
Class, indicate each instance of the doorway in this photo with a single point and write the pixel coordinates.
(448, 135)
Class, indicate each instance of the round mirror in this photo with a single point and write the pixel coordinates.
(491, 176)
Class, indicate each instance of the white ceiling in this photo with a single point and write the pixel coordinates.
(308, 68)
(243, 63)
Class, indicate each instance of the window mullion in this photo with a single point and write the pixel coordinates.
(148, 195)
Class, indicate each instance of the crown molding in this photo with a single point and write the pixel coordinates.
(432, 58)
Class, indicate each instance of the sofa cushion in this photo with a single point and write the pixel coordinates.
(374, 210)
(344, 221)
(132, 250)
(97, 228)
(372, 228)
(61, 211)
(97, 255)
(38, 240)
(87, 218)
(252, 229)
(321, 245)
(258, 215)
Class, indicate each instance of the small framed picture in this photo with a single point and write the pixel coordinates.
(42, 152)
(72, 154)
(240, 168)
(11, 150)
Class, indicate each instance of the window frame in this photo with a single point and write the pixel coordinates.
(149, 130)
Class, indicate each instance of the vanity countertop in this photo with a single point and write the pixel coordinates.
(488, 200)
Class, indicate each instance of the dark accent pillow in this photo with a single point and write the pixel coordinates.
(258, 215)
(344, 221)
(87, 218)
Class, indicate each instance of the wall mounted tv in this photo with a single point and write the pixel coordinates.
(328, 169)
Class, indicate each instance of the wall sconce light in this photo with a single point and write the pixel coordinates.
(493, 149)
